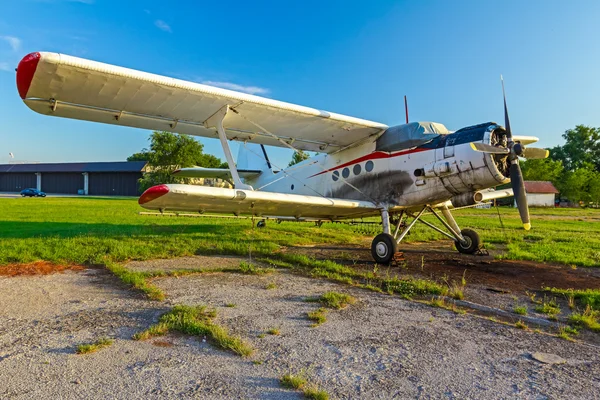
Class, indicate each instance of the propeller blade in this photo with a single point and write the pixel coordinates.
(533, 153)
(518, 187)
(488, 148)
(506, 120)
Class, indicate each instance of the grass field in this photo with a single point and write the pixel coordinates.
(103, 231)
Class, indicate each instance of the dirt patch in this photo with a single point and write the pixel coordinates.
(37, 268)
(439, 261)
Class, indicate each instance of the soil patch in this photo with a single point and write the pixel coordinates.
(439, 261)
(37, 268)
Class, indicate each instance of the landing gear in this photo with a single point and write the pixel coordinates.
(383, 248)
(471, 244)
(385, 245)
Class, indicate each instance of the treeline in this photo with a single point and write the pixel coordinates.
(169, 152)
(573, 168)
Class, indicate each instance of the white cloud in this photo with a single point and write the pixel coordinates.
(162, 25)
(236, 87)
(4, 66)
(14, 42)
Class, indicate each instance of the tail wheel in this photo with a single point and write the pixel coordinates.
(383, 248)
(471, 244)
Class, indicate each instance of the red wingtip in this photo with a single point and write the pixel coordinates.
(25, 72)
(153, 193)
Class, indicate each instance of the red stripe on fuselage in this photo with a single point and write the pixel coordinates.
(374, 156)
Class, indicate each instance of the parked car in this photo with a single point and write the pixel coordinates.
(32, 193)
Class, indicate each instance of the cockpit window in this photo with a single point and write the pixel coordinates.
(410, 135)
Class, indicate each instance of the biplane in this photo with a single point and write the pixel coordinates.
(362, 168)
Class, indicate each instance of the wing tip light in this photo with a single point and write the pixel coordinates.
(153, 193)
(26, 71)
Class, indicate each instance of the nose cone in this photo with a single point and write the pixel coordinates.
(25, 72)
(153, 193)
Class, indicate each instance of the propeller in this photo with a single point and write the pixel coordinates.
(514, 150)
(516, 176)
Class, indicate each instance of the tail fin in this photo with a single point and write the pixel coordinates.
(252, 156)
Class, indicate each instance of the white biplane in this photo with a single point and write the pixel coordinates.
(363, 168)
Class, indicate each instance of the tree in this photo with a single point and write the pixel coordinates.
(168, 152)
(143, 155)
(582, 145)
(298, 156)
(542, 170)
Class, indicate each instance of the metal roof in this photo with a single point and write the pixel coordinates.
(117, 166)
(540, 187)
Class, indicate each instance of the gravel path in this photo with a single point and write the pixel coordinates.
(380, 347)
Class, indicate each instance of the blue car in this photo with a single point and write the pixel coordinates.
(32, 193)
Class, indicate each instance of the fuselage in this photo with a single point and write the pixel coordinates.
(442, 168)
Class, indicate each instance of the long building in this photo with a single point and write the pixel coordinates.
(93, 178)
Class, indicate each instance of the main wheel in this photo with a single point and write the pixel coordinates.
(261, 224)
(471, 244)
(383, 248)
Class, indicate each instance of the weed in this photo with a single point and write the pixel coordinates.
(313, 392)
(196, 321)
(456, 292)
(589, 297)
(521, 325)
(230, 305)
(262, 335)
(521, 310)
(274, 331)
(463, 280)
(257, 362)
(336, 300)
(438, 302)
(319, 316)
(589, 319)
(271, 285)
(291, 381)
(93, 347)
(251, 269)
(550, 308)
(565, 331)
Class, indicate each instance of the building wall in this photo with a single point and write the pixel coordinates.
(540, 200)
(62, 182)
(114, 183)
(16, 182)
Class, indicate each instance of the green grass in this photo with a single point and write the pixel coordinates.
(100, 231)
(334, 300)
(252, 269)
(196, 321)
(589, 297)
(318, 316)
(313, 392)
(520, 310)
(292, 381)
(93, 347)
(589, 319)
(274, 331)
(550, 308)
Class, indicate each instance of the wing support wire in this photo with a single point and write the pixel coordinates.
(289, 145)
(216, 121)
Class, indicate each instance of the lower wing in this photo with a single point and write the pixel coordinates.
(202, 199)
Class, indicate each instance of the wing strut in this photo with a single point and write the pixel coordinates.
(216, 121)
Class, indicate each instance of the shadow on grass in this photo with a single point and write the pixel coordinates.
(23, 230)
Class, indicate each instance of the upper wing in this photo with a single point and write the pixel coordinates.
(66, 86)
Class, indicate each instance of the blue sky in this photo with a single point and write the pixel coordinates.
(352, 57)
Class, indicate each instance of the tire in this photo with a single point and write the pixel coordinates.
(473, 243)
(261, 224)
(383, 248)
